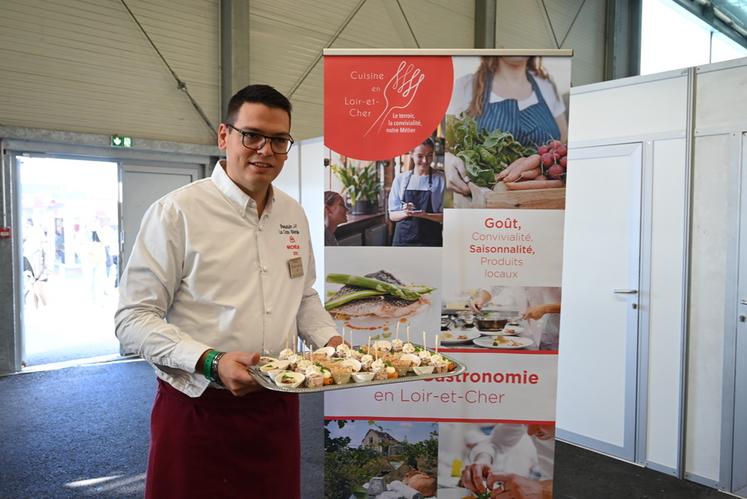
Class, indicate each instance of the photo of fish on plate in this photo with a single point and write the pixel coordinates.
(380, 293)
(375, 297)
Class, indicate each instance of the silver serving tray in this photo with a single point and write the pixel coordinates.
(265, 381)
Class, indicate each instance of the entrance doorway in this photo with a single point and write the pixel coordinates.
(69, 213)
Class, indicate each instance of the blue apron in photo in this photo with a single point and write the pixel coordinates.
(415, 231)
(533, 126)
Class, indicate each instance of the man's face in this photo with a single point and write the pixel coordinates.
(254, 170)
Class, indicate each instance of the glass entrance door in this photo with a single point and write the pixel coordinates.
(69, 213)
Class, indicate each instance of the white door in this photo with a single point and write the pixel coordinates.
(599, 324)
(739, 464)
(141, 186)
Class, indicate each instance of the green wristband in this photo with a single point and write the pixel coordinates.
(214, 375)
(208, 363)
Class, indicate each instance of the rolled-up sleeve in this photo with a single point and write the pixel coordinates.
(147, 289)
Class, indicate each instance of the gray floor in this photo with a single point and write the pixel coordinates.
(83, 432)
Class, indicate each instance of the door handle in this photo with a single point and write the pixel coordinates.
(743, 301)
(625, 291)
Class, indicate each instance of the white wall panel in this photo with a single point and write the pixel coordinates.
(714, 195)
(721, 96)
(665, 302)
(312, 199)
(636, 109)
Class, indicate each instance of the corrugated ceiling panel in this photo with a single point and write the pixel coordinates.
(286, 38)
(524, 24)
(84, 66)
(587, 40)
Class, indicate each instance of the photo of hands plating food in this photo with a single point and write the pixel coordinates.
(503, 317)
(495, 461)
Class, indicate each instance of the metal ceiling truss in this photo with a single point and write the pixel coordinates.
(180, 84)
(726, 16)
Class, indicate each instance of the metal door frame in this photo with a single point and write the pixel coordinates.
(18, 243)
(163, 153)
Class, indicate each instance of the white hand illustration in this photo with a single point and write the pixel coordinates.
(399, 92)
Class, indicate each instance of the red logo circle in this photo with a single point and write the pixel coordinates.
(377, 107)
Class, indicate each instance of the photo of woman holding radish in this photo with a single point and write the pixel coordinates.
(506, 129)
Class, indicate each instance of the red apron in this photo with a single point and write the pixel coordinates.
(218, 445)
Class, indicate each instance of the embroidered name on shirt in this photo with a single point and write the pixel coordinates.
(289, 229)
(293, 245)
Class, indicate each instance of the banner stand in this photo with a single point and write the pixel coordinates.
(445, 176)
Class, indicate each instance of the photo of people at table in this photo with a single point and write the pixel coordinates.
(516, 317)
(495, 460)
(391, 202)
(506, 127)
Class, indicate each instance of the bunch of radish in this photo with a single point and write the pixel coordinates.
(544, 170)
(554, 159)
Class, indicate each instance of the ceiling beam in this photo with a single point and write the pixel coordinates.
(485, 12)
(707, 14)
(234, 49)
(622, 54)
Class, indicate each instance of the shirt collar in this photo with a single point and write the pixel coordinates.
(234, 194)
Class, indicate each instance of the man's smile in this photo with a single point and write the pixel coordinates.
(260, 164)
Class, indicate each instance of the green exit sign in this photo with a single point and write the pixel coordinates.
(118, 141)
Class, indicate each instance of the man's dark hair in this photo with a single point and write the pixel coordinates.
(260, 94)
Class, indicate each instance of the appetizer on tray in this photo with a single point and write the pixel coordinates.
(379, 362)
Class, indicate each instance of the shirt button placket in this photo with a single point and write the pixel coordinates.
(264, 273)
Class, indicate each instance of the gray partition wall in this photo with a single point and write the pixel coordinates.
(690, 365)
(631, 356)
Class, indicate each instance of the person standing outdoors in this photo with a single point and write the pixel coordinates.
(222, 271)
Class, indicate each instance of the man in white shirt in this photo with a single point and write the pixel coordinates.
(222, 271)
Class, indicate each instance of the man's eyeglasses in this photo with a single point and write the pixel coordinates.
(256, 141)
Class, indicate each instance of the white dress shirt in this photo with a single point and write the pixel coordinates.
(207, 272)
